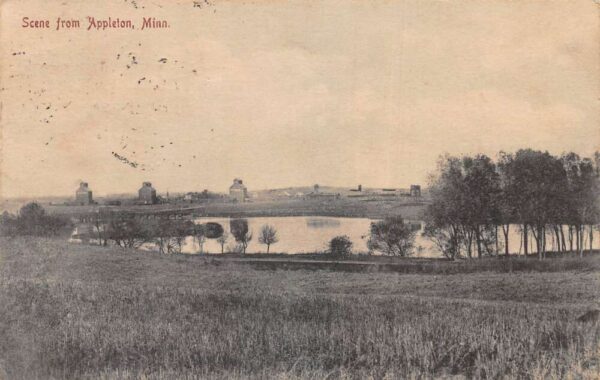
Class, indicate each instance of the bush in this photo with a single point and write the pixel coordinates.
(392, 237)
(129, 231)
(340, 246)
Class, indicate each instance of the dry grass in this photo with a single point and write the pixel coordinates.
(88, 312)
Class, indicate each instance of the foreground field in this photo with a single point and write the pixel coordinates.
(76, 312)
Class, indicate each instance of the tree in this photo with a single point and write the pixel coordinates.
(392, 236)
(268, 236)
(128, 231)
(481, 187)
(200, 232)
(240, 232)
(507, 214)
(32, 220)
(183, 229)
(8, 224)
(340, 246)
(169, 235)
(222, 240)
(581, 195)
(100, 221)
(464, 208)
(162, 232)
(535, 193)
(445, 221)
(209, 230)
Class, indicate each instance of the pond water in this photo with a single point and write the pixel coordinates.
(309, 234)
(297, 234)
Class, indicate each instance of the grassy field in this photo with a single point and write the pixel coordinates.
(71, 311)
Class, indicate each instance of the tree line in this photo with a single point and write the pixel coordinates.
(475, 200)
(169, 235)
(128, 230)
(32, 220)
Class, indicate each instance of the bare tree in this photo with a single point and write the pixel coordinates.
(268, 236)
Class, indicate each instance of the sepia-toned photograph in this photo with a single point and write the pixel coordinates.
(287, 189)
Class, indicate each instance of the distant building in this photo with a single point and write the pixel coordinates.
(318, 194)
(415, 190)
(83, 195)
(147, 194)
(238, 190)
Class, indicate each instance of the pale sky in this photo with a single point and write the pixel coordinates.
(288, 93)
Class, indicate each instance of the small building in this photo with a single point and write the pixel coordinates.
(147, 194)
(83, 195)
(415, 190)
(238, 191)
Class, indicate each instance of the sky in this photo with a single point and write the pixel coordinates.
(287, 93)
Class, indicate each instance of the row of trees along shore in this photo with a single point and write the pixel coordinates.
(546, 196)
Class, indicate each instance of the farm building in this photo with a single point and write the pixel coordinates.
(238, 190)
(83, 195)
(147, 194)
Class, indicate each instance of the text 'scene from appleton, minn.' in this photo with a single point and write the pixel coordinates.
(90, 23)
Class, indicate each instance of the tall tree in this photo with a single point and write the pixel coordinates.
(507, 213)
(443, 216)
(581, 194)
(481, 199)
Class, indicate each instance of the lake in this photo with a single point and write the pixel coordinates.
(297, 234)
(309, 234)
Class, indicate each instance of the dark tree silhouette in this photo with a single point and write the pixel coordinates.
(240, 232)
